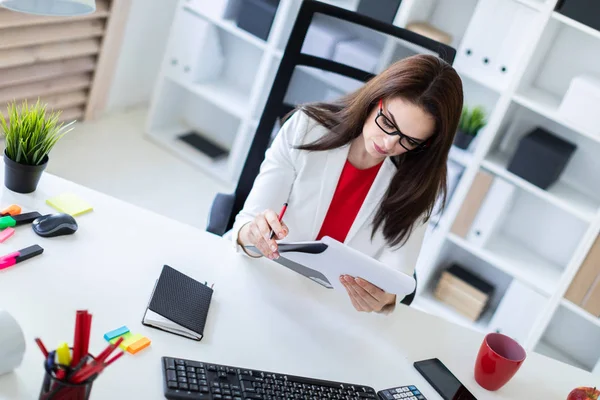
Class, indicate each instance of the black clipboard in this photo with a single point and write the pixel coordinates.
(300, 247)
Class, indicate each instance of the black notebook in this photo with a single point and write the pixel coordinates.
(179, 304)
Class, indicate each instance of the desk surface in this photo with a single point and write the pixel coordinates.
(262, 316)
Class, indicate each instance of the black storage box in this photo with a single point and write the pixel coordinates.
(256, 16)
(541, 157)
(585, 11)
(383, 10)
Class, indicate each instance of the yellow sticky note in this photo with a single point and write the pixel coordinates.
(128, 339)
(69, 203)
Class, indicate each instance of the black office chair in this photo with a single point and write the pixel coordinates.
(226, 206)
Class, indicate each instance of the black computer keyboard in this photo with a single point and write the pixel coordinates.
(187, 379)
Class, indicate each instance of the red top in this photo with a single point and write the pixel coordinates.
(351, 190)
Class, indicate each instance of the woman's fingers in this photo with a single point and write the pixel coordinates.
(265, 232)
(365, 304)
(373, 290)
(284, 229)
(273, 220)
(356, 306)
(365, 297)
(259, 241)
(351, 296)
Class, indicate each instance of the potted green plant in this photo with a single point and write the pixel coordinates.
(30, 132)
(471, 121)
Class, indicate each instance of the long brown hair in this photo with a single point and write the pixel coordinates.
(428, 82)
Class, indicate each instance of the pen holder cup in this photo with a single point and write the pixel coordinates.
(59, 389)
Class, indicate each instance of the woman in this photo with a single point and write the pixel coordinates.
(365, 170)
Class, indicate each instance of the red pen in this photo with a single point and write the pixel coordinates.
(78, 337)
(106, 352)
(42, 347)
(280, 218)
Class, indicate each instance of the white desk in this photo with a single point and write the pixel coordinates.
(262, 316)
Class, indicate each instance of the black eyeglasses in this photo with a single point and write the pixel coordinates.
(407, 142)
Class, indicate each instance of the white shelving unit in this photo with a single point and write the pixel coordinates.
(546, 234)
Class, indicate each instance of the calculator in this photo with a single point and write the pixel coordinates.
(403, 392)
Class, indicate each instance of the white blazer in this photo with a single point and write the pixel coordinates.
(307, 180)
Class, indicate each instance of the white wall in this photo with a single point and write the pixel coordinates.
(142, 51)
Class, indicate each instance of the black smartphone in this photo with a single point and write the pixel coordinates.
(442, 380)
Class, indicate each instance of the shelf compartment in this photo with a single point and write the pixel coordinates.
(427, 302)
(546, 104)
(488, 84)
(560, 194)
(222, 93)
(551, 351)
(454, 254)
(563, 52)
(571, 339)
(229, 84)
(575, 191)
(180, 111)
(450, 17)
(518, 240)
(516, 260)
(230, 26)
(575, 24)
(581, 312)
(167, 138)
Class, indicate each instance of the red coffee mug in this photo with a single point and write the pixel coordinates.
(499, 359)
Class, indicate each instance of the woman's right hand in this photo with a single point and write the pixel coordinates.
(257, 233)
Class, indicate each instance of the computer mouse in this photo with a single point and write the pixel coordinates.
(54, 225)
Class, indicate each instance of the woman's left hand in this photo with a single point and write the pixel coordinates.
(365, 296)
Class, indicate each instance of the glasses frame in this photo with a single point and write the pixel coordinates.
(420, 146)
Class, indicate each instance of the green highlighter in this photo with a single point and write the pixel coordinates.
(13, 220)
(7, 221)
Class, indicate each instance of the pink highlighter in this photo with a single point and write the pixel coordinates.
(16, 257)
(6, 233)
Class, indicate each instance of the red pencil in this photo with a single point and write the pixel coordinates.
(78, 337)
(87, 323)
(115, 358)
(280, 218)
(106, 352)
(42, 347)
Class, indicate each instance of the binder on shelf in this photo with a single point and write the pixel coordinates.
(495, 39)
(194, 41)
(585, 277)
(517, 312)
(468, 211)
(492, 211)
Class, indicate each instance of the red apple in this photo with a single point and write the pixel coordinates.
(584, 393)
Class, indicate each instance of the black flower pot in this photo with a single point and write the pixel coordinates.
(462, 140)
(22, 178)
